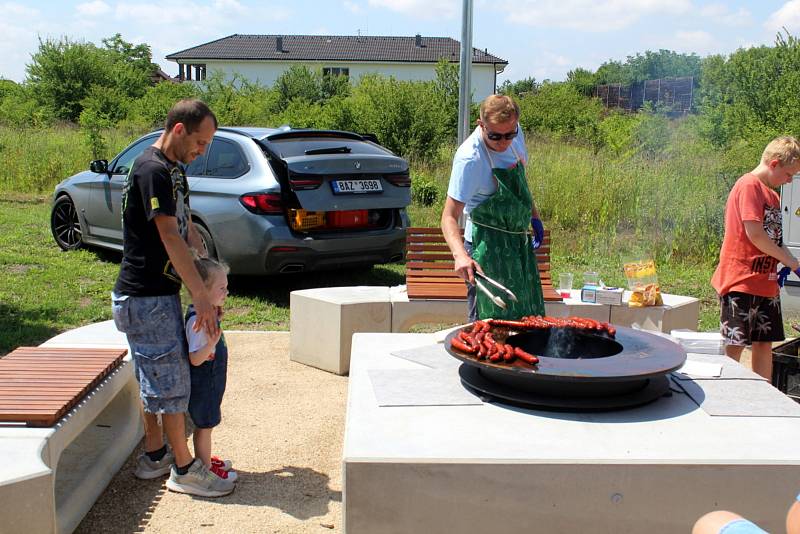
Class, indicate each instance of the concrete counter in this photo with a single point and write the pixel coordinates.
(502, 469)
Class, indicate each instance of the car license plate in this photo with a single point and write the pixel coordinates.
(356, 186)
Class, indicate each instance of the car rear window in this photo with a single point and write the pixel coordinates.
(225, 160)
(288, 148)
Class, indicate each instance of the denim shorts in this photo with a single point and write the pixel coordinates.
(741, 526)
(154, 328)
(208, 387)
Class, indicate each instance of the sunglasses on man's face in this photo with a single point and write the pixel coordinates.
(494, 136)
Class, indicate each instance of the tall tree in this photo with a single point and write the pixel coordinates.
(63, 72)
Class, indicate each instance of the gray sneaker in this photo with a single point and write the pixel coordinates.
(147, 469)
(199, 481)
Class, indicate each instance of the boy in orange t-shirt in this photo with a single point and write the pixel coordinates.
(746, 278)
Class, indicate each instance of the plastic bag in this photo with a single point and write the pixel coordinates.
(643, 283)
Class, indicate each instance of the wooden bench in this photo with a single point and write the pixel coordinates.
(38, 385)
(69, 419)
(429, 267)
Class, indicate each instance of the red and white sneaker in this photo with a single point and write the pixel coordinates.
(225, 465)
(230, 476)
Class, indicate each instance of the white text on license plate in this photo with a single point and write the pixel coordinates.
(356, 186)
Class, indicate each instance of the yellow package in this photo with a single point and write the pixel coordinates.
(649, 295)
(643, 283)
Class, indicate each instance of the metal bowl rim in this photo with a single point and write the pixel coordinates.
(571, 368)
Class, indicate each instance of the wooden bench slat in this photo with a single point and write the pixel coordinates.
(424, 273)
(429, 267)
(38, 385)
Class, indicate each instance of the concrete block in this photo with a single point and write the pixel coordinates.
(407, 313)
(510, 498)
(26, 487)
(677, 312)
(323, 321)
(54, 475)
(502, 469)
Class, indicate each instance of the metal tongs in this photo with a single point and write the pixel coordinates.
(494, 298)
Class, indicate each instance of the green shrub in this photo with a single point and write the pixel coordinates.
(753, 95)
(617, 132)
(424, 191)
(150, 111)
(300, 113)
(651, 133)
(559, 109)
(62, 72)
(298, 82)
(406, 116)
(18, 108)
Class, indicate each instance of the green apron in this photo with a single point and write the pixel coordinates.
(501, 245)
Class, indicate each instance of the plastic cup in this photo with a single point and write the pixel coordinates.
(591, 278)
(565, 285)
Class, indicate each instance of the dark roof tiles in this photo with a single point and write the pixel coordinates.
(333, 48)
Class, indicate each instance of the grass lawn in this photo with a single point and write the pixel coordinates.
(44, 291)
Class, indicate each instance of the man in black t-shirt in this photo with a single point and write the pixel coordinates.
(157, 235)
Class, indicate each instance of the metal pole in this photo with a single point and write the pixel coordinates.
(465, 72)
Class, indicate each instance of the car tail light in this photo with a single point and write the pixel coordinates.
(348, 219)
(400, 180)
(304, 181)
(262, 203)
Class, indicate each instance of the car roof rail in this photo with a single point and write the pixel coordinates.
(309, 132)
(232, 130)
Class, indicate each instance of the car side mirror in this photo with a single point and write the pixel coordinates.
(99, 165)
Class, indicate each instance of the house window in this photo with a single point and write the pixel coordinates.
(192, 71)
(336, 71)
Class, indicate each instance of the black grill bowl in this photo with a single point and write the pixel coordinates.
(577, 367)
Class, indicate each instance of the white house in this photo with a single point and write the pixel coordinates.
(262, 58)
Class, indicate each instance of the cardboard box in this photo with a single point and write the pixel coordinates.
(609, 295)
(602, 295)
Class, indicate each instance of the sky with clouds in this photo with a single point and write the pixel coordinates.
(540, 38)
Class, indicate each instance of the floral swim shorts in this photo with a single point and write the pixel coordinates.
(746, 318)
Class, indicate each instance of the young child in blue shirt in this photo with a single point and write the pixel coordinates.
(209, 359)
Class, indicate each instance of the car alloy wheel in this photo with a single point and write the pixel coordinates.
(65, 225)
(207, 241)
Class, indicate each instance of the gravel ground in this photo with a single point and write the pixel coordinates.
(282, 427)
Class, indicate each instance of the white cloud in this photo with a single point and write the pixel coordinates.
(544, 65)
(19, 38)
(423, 9)
(588, 15)
(12, 10)
(93, 9)
(186, 14)
(697, 41)
(788, 16)
(721, 14)
(353, 7)
(230, 5)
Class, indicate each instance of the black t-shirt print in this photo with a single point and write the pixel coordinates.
(773, 226)
(154, 186)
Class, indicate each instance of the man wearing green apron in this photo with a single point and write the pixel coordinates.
(488, 185)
